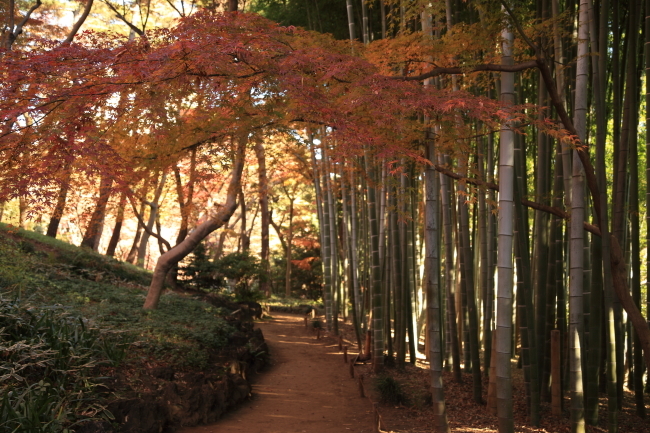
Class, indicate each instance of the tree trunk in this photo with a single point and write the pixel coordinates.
(433, 293)
(117, 229)
(287, 275)
(263, 194)
(449, 283)
(468, 279)
(375, 278)
(95, 226)
(55, 220)
(504, 258)
(576, 253)
(213, 222)
(153, 213)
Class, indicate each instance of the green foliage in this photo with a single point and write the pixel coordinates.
(244, 269)
(389, 390)
(201, 273)
(306, 273)
(56, 252)
(49, 366)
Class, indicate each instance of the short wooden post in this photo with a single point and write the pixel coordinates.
(492, 387)
(352, 370)
(375, 406)
(318, 334)
(340, 343)
(345, 354)
(306, 322)
(556, 383)
(360, 381)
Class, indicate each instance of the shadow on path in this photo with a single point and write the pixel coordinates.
(307, 388)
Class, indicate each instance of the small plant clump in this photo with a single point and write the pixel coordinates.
(389, 390)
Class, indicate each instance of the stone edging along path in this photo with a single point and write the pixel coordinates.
(307, 388)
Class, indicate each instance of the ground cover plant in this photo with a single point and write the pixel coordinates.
(69, 317)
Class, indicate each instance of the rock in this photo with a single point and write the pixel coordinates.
(144, 415)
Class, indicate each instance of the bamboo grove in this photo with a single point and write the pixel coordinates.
(433, 257)
(474, 165)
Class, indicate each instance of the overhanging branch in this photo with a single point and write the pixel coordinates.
(478, 68)
(531, 204)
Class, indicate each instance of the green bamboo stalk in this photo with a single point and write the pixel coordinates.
(504, 254)
(576, 257)
(449, 283)
(433, 292)
(377, 313)
(468, 278)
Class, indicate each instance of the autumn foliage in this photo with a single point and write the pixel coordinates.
(113, 106)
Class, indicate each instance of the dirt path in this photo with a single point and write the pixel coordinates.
(307, 388)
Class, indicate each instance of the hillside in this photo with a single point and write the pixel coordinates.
(79, 354)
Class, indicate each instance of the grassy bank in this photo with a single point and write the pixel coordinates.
(70, 318)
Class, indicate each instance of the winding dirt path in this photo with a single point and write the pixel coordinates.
(307, 388)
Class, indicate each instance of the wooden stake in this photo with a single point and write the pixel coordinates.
(556, 385)
(318, 334)
(340, 343)
(361, 393)
(352, 370)
(345, 354)
(377, 418)
(306, 322)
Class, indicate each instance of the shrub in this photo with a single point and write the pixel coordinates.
(389, 390)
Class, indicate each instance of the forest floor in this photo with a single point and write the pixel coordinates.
(309, 389)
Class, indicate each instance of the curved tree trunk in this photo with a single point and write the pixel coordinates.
(213, 222)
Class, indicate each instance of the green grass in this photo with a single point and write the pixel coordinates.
(43, 271)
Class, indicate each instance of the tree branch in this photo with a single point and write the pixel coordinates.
(144, 225)
(13, 34)
(581, 148)
(531, 204)
(478, 68)
(79, 23)
(123, 18)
